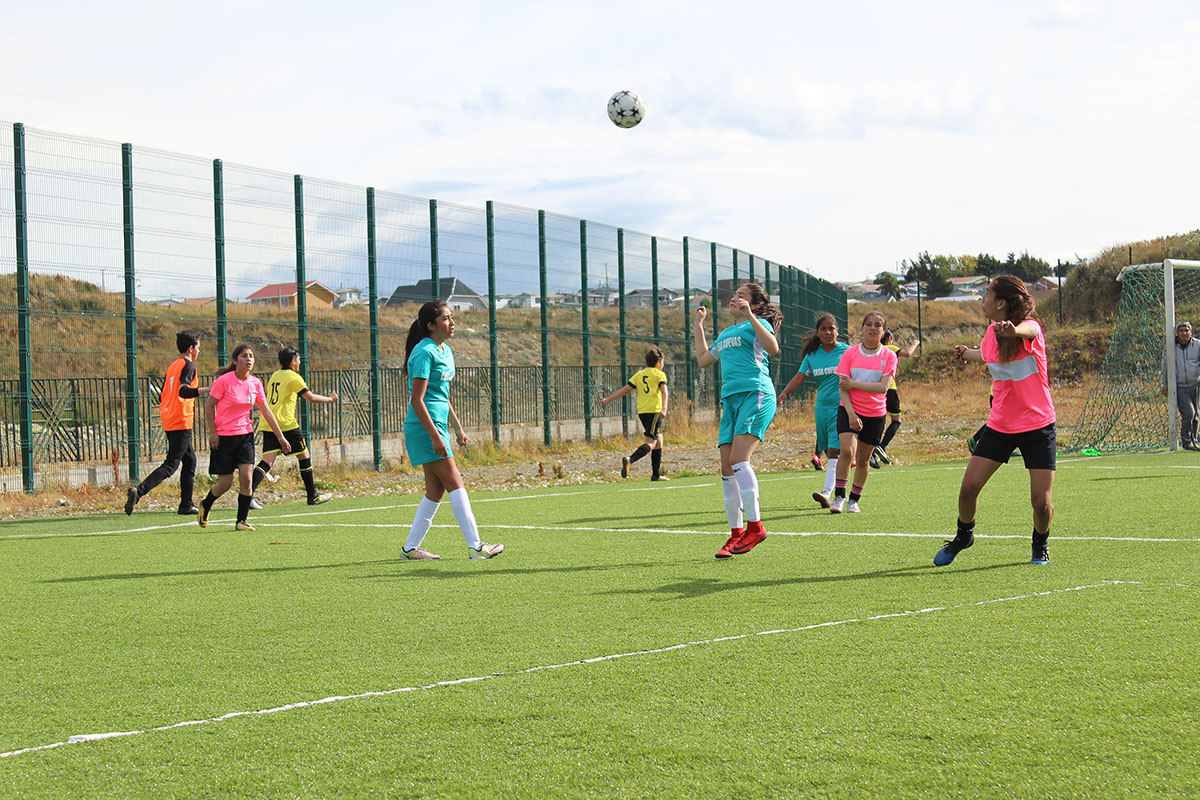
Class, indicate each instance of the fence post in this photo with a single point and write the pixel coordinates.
(493, 342)
(654, 287)
(1058, 275)
(735, 271)
(373, 321)
(301, 300)
(25, 367)
(132, 418)
(545, 328)
(219, 247)
(434, 266)
(714, 304)
(587, 337)
(621, 324)
(688, 373)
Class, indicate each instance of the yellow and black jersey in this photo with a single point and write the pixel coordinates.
(646, 382)
(283, 387)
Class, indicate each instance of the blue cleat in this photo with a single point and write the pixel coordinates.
(1041, 553)
(953, 547)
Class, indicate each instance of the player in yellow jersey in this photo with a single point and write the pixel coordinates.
(285, 386)
(651, 387)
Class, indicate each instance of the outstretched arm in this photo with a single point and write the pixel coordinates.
(793, 385)
(619, 393)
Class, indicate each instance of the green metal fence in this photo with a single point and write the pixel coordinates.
(106, 250)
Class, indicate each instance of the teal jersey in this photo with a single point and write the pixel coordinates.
(820, 365)
(743, 360)
(436, 365)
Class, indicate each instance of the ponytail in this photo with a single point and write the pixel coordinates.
(760, 306)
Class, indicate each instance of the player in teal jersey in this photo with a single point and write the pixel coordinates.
(748, 405)
(430, 366)
(820, 357)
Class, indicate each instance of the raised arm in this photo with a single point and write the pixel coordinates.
(908, 352)
(703, 357)
(766, 336)
(793, 385)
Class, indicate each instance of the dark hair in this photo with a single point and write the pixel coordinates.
(887, 336)
(814, 341)
(1018, 305)
(186, 339)
(287, 355)
(653, 356)
(232, 365)
(879, 314)
(426, 316)
(760, 306)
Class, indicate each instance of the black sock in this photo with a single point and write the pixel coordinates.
(306, 473)
(889, 433)
(966, 529)
(641, 452)
(655, 463)
(243, 506)
(208, 500)
(855, 496)
(260, 472)
(1039, 539)
(839, 492)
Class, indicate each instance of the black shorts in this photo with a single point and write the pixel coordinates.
(893, 402)
(1038, 447)
(872, 427)
(294, 438)
(652, 424)
(232, 452)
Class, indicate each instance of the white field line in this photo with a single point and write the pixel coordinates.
(551, 495)
(590, 529)
(91, 737)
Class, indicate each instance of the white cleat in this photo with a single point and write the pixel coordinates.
(486, 551)
(417, 554)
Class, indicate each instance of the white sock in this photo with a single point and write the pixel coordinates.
(461, 506)
(421, 524)
(733, 501)
(747, 485)
(830, 475)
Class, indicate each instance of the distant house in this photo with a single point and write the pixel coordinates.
(200, 301)
(525, 300)
(598, 297)
(347, 297)
(1046, 283)
(457, 294)
(284, 294)
(644, 298)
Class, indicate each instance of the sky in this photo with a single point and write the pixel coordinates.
(842, 138)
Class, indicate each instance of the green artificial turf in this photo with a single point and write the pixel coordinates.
(826, 665)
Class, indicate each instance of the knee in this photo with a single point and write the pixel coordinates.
(1042, 504)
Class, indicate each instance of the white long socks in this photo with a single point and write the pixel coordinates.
(421, 523)
(733, 501)
(466, 518)
(830, 475)
(747, 484)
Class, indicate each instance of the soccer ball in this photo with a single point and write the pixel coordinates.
(626, 109)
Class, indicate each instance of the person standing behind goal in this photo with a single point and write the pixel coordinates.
(177, 407)
(284, 387)
(651, 387)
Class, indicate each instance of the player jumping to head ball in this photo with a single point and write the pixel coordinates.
(747, 405)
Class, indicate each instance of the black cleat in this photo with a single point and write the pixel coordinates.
(188, 511)
(1041, 551)
(953, 547)
(131, 498)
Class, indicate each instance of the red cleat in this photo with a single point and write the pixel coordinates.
(749, 540)
(727, 549)
(816, 462)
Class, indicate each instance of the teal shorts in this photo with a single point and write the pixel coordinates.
(746, 412)
(827, 434)
(417, 442)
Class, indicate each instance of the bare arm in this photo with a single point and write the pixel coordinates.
(662, 390)
(964, 354)
(1026, 330)
(766, 336)
(703, 357)
(619, 393)
(462, 435)
(313, 397)
(793, 385)
(908, 352)
(210, 416)
(855, 422)
(879, 386)
(269, 416)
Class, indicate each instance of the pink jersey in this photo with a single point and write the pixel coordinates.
(1021, 387)
(234, 400)
(868, 368)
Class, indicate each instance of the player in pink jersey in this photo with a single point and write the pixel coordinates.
(1022, 415)
(231, 433)
(864, 374)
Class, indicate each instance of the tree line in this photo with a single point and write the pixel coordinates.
(935, 271)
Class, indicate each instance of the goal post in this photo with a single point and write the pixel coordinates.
(1125, 409)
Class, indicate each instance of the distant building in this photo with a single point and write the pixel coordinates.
(457, 294)
(284, 294)
(348, 297)
(644, 298)
(525, 300)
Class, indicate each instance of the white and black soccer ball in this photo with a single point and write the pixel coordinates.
(626, 109)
